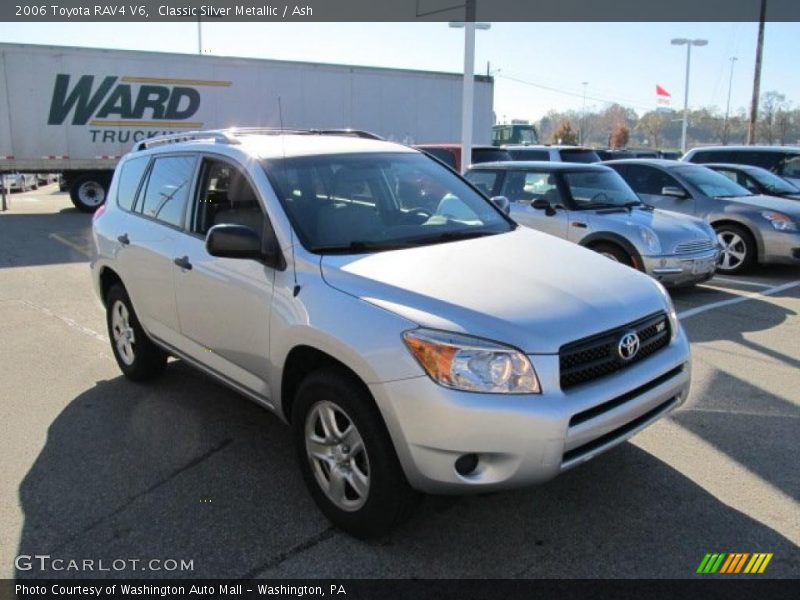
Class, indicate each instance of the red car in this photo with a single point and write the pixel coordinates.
(450, 154)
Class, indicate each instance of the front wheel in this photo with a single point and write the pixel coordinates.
(346, 456)
(613, 252)
(138, 357)
(738, 249)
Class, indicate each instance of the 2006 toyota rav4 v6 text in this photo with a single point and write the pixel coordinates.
(411, 348)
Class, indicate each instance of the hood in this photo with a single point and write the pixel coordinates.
(675, 226)
(784, 205)
(523, 288)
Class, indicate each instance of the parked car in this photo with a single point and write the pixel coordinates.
(669, 154)
(784, 161)
(750, 228)
(545, 152)
(19, 182)
(592, 205)
(46, 178)
(410, 351)
(757, 180)
(450, 154)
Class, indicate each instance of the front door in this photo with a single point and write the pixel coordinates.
(224, 303)
(523, 187)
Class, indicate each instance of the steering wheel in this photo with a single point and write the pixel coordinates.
(421, 211)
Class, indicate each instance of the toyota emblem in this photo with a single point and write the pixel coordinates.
(628, 345)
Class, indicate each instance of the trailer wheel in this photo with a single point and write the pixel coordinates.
(88, 192)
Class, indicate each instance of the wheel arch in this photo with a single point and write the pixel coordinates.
(609, 237)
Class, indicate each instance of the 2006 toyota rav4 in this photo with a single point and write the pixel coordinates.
(411, 348)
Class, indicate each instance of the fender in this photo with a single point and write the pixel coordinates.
(614, 238)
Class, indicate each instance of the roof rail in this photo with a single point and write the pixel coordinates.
(217, 135)
(228, 136)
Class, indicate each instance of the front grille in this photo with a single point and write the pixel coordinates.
(694, 246)
(598, 355)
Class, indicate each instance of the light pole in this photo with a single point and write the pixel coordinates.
(583, 114)
(688, 43)
(728, 105)
(199, 36)
(469, 81)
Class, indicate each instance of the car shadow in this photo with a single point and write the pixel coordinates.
(185, 469)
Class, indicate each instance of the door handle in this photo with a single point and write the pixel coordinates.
(578, 224)
(123, 239)
(183, 263)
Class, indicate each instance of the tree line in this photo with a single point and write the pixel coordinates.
(617, 126)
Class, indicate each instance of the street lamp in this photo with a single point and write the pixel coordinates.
(469, 79)
(583, 114)
(688, 43)
(728, 105)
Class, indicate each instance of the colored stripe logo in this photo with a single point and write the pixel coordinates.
(734, 562)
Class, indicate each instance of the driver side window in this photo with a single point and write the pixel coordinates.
(225, 196)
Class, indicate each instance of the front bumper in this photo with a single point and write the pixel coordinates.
(526, 439)
(780, 247)
(682, 269)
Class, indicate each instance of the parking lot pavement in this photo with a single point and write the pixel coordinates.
(99, 467)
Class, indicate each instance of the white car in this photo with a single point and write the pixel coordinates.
(19, 182)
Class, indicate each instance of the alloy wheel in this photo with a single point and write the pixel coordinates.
(124, 337)
(734, 250)
(337, 455)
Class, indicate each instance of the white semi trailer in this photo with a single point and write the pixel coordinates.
(78, 110)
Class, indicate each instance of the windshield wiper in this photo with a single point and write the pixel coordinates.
(357, 247)
(447, 236)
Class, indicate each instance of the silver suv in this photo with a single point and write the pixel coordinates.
(593, 206)
(411, 349)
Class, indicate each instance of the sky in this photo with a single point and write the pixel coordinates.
(537, 66)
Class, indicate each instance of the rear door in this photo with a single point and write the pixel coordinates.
(147, 238)
(224, 304)
(523, 187)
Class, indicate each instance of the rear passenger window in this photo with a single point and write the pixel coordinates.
(129, 177)
(168, 189)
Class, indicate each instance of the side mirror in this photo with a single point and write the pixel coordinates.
(542, 204)
(233, 241)
(673, 191)
(502, 203)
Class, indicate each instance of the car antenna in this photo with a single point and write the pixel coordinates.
(296, 289)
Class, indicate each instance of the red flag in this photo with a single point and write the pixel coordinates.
(662, 92)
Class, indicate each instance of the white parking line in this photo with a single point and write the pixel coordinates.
(743, 298)
(738, 282)
(66, 320)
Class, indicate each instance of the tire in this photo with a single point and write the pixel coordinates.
(138, 357)
(613, 252)
(88, 192)
(381, 497)
(738, 249)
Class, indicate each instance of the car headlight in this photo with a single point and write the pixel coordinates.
(779, 221)
(672, 314)
(471, 364)
(650, 239)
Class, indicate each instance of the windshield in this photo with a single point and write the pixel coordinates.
(711, 183)
(772, 182)
(599, 189)
(354, 203)
(526, 135)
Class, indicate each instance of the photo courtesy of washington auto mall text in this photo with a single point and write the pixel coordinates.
(399, 299)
